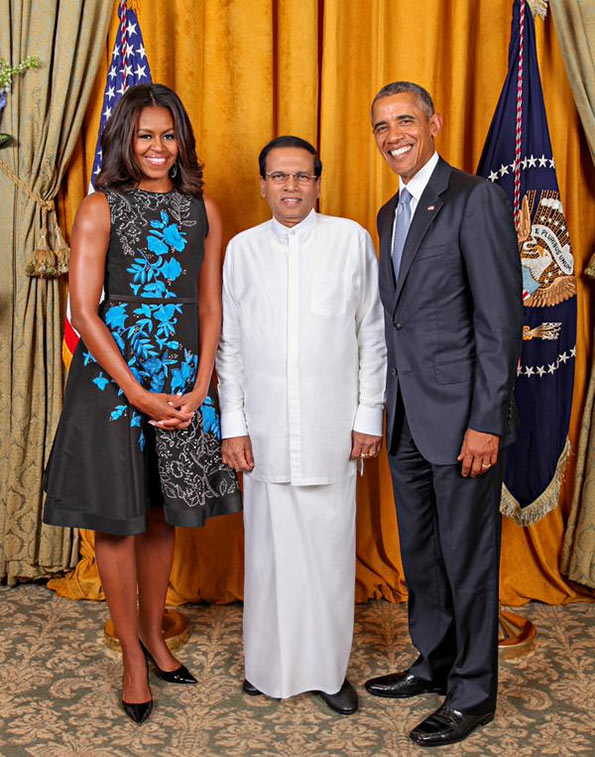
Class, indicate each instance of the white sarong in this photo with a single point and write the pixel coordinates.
(299, 587)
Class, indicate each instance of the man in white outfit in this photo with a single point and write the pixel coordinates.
(301, 366)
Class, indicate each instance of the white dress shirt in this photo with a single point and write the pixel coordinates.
(415, 187)
(302, 356)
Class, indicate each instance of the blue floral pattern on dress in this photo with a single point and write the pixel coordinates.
(152, 277)
(157, 356)
(210, 419)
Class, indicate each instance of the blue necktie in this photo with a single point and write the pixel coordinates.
(401, 229)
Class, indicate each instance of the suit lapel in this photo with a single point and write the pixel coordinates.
(426, 212)
(385, 242)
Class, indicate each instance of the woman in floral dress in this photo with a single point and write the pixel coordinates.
(137, 450)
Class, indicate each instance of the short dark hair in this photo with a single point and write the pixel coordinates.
(289, 141)
(119, 169)
(422, 95)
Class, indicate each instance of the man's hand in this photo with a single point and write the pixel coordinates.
(478, 453)
(364, 445)
(237, 453)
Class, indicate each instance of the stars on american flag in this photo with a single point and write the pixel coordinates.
(129, 66)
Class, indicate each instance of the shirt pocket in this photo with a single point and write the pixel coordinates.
(328, 294)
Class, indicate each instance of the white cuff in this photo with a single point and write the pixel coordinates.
(233, 423)
(368, 420)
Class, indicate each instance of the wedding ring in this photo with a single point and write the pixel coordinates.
(486, 465)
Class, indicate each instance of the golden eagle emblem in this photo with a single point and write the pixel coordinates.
(544, 246)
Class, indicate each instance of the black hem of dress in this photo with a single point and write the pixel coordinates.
(197, 516)
(58, 515)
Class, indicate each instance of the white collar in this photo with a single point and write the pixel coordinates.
(416, 184)
(309, 222)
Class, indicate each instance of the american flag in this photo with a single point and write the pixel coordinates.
(129, 66)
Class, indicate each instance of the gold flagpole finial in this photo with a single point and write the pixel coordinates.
(538, 7)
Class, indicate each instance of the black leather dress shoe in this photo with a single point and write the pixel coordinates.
(446, 726)
(344, 702)
(179, 675)
(401, 685)
(250, 689)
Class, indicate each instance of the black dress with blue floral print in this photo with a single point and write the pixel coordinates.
(107, 464)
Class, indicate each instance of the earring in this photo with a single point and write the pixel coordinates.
(174, 170)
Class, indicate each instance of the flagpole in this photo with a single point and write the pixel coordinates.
(518, 156)
(174, 627)
(516, 634)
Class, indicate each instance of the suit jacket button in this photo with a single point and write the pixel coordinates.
(398, 326)
(393, 372)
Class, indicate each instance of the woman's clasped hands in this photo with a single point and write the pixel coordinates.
(168, 411)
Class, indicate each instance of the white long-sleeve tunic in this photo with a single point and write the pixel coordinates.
(302, 356)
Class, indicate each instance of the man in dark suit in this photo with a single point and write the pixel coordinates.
(450, 284)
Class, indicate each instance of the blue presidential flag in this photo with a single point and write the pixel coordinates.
(518, 156)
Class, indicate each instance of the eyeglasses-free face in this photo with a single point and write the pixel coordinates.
(290, 195)
(404, 133)
(155, 147)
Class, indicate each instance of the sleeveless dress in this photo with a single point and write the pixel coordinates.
(107, 464)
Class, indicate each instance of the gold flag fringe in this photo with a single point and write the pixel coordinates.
(545, 503)
(45, 261)
(538, 7)
(590, 269)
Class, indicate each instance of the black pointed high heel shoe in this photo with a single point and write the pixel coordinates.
(138, 712)
(179, 675)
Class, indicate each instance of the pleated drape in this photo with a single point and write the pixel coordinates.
(44, 113)
(575, 26)
(249, 70)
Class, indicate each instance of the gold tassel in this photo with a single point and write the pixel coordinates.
(590, 269)
(43, 261)
(538, 7)
(61, 249)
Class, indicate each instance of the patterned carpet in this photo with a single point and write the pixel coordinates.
(59, 689)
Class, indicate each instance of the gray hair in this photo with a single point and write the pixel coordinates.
(423, 97)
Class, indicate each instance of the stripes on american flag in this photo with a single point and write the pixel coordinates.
(129, 66)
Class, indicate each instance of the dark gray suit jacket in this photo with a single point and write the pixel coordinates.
(454, 318)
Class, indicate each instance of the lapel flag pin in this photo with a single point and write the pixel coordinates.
(431, 207)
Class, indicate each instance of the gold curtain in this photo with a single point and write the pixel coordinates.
(248, 70)
(44, 113)
(575, 26)
(578, 554)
